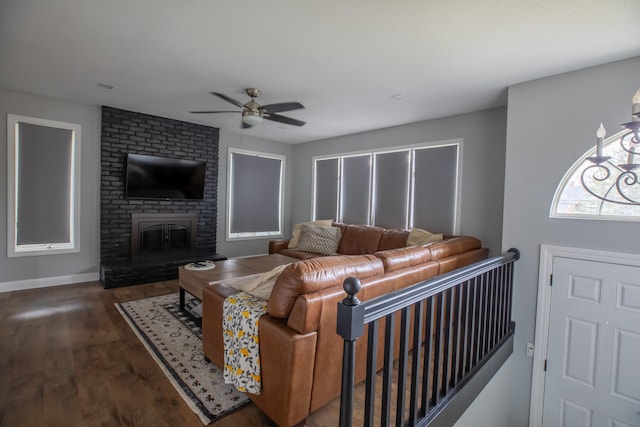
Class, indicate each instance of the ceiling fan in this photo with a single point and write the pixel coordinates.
(253, 113)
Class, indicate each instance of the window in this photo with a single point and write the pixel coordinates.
(571, 200)
(255, 192)
(43, 165)
(402, 188)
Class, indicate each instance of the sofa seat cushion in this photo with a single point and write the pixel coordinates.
(359, 239)
(311, 275)
(396, 259)
(295, 253)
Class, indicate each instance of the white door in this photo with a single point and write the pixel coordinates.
(593, 353)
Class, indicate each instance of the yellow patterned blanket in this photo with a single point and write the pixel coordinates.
(241, 313)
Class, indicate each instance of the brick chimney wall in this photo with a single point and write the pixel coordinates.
(125, 132)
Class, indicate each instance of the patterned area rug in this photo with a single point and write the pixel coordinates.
(174, 341)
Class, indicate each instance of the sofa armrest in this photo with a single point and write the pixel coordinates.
(287, 362)
(286, 359)
(212, 305)
(276, 245)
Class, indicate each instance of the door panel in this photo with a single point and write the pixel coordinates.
(593, 351)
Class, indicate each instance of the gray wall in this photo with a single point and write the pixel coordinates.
(490, 408)
(86, 261)
(253, 246)
(483, 133)
(551, 122)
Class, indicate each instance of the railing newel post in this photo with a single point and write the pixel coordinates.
(350, 326)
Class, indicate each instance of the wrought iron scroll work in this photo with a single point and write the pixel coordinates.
(627, 177)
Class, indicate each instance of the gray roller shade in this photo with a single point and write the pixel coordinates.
(255, 193)
(391, 189)
(356, 187)
(326, 189)
(436, 172)
(44, 182)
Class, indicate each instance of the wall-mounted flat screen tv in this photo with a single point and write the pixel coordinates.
(152, 177)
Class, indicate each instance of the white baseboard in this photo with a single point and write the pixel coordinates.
(20, 285)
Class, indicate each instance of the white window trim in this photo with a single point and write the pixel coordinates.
(54, 248)
(434, 144)
(258, 234)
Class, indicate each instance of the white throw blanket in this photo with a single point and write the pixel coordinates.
(241, 314)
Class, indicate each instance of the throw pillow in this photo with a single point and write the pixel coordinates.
(295, 236)
(420, 237)
(262, 285)
(319, 239)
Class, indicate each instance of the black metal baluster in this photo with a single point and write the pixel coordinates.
(485, 316)
(480, 318)
(387, 376)
(435, 392)
(446, 339)
(415, 362)
(372, 360)
(464, 322)
(473, 333)
(510, 292)
(501, 301)
(402, 366)
(458, 329)
(428, 353)
(490, 311)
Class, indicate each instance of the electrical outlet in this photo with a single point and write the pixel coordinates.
(530, 349)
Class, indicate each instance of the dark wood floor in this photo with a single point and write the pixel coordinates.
(68, 358)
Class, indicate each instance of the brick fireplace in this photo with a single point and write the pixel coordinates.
(173, 223)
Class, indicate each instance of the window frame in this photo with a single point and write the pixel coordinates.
(13, 140)
(238, 236)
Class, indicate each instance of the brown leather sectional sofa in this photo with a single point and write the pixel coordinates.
(300, 351)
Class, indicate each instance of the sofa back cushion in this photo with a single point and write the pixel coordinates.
(359, 239)
(453, 246)
(319, 239)
(297, 229)
(396, 259)
(393, 238)
(311, 275)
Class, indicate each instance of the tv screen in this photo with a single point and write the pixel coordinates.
(151, 177)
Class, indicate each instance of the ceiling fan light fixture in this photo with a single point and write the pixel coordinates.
(251, 118)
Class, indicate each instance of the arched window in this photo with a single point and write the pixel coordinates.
(572, 200)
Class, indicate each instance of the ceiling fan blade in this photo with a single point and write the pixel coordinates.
(283, 119)
(282, 106)
(211, 112)
(226, 98)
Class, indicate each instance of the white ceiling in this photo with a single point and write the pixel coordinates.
(342, 59)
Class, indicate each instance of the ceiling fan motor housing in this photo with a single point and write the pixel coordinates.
(252, 106)
(251, 117)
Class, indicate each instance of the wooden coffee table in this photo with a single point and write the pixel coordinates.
(193, 281)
